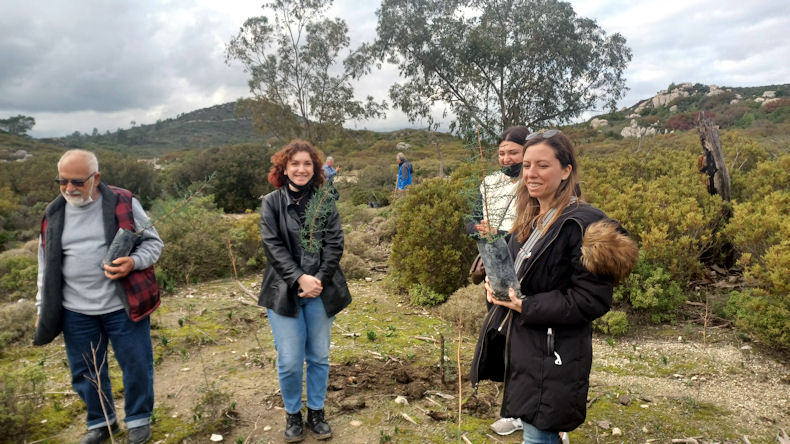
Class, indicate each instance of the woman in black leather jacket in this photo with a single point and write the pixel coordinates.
(568, 256)
(301, 298)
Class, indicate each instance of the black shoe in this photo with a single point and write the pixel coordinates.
(139, 435)
(99, 435)
(294, 428)
(319, 427)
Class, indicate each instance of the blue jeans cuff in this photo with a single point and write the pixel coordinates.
(130, 424)
(102, 423)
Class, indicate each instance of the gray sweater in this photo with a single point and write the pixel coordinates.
(85, 288)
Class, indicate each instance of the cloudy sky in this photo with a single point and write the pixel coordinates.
(79, 65)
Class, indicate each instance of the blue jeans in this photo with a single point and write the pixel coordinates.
(131, 342)
(303, 340)
(533, 435)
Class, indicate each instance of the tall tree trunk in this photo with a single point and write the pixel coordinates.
(712, 161)
(441, 159)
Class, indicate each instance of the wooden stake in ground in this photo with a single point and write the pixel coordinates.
(460, 386)
(712, 159)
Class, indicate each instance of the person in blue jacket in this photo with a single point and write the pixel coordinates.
(404, 172)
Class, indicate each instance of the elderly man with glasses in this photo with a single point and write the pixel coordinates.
(93, 303)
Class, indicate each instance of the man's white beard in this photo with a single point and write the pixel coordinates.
(77, 199)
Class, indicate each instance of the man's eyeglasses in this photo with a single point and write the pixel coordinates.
(76, 182)
(546, 134)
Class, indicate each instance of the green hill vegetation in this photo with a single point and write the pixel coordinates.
(702, 260)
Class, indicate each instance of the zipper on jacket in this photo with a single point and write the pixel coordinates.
(550, 346)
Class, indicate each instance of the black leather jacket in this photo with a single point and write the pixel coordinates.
(280, 234)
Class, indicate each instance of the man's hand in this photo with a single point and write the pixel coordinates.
(120, 268)
(310, 286)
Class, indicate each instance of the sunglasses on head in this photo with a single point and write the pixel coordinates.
(546, 134)
(76, 182)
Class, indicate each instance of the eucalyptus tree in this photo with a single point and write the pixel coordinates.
(301, 87)
(497, 63)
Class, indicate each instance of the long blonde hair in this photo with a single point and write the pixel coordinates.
(527, 207)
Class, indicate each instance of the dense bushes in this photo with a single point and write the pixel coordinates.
(200, 242)
(760, 231)
(238, 175)
(660, 200)
(431, 247)
(18, 271)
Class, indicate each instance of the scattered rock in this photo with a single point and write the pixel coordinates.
(606, 425)
(624, 399)
(401, 400)
(356, 423)
(439, 416)
(617, 432)
(267, 428)
(215, 437)
(352, 404)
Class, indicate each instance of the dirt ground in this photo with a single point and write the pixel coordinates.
(211, 340)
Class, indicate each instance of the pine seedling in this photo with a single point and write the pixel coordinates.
(316, 213)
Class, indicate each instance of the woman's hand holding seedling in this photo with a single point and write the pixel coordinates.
(514, 303)
(310, 286)
(484, 228)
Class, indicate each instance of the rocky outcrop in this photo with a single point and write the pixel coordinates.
(597, 123)
(634, 130)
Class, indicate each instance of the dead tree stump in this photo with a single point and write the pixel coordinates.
(712, 159)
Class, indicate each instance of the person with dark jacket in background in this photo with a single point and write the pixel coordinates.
(93, 304)
(301, 304)
(568, 256)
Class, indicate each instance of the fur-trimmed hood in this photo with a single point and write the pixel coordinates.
(607, 250)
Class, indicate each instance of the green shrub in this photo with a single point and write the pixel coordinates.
(376, 197)
(430, 245)
(245, 240)
(422, 295)
(20, 392)
(658, 197)
(195, 241)
(764, 315)
(758, 224)
(467, 305)
(614, 323)
(651, 289)
(353, 266)
(16, 322)
(18, 273)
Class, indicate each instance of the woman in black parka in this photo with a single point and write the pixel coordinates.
(568, 255)
(301, 297)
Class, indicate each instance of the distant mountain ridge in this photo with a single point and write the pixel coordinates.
(203, 128)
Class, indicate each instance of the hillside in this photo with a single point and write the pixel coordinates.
(203, 128)
(676, 108)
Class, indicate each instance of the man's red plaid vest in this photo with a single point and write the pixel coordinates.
(142, 291)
